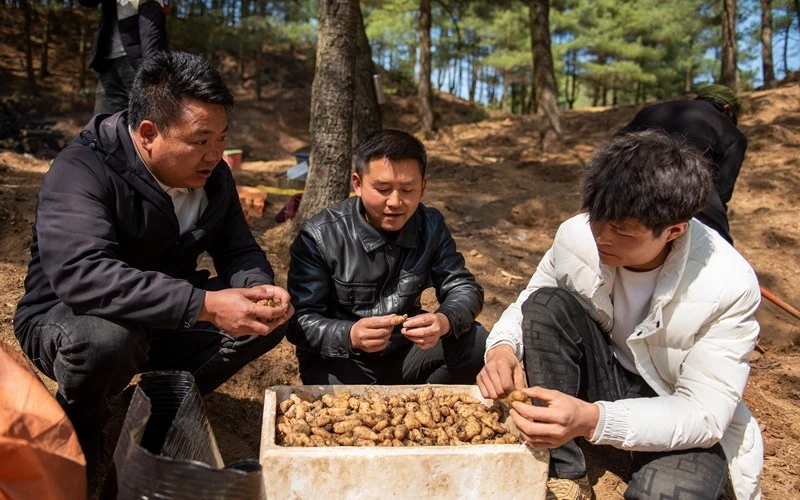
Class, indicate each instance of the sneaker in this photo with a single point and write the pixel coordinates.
(569, 489)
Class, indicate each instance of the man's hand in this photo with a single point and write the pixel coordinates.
(236, 312)
(501, 374)
(426, 329)
(372, 334)
(563, 419)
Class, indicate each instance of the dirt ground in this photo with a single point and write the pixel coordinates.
(503, 199)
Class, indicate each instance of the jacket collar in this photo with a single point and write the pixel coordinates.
(372, 239)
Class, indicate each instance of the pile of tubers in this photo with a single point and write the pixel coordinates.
(427, 418)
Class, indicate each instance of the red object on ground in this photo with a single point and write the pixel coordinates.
(290, 209)
(780, 303)
(40, 456)
(233, 157)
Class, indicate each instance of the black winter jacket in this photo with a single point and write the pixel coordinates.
(142, 35)
(704, 127)
(342, 269)
(106, 241)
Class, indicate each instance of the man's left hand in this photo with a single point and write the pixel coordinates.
(562, 420)
(425, 330)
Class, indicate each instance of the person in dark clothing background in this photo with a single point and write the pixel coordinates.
(357, 273)
(124, 212)
(708, 123)
(131, 31)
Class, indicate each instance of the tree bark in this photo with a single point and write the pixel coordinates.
(26, 9)
(728, 71)
(82, 55)
(424, 88)
(44, 60)
(543, 75)
(331, 109)
(473, 80)
(797, 11)
(767, 66)
(786, 49)
(366, 110)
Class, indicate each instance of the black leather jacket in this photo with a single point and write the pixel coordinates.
(343, 269)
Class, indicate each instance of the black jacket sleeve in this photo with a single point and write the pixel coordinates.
(152, 29)
(729, 164)
(238, 258)
(459, 295)
(79, 252)
(312, 326)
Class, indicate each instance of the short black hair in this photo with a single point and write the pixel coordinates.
(168, 77)
(649, 176)
(393, 145)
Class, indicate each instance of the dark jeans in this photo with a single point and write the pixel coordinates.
(113, 87)
(93, 358)
(450, 361)
(565, 350)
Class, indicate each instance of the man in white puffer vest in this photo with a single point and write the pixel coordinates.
(636, 332)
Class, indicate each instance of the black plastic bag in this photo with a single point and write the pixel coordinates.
(167, 450)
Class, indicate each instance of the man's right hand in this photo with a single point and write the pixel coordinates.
(501, 374)
(235, 311)
(372, 334)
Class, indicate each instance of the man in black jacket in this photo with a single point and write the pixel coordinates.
(358, 270)
(708, 123)
(131, 31)
(113, 287)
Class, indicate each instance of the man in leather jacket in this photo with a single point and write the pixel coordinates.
(358, 270)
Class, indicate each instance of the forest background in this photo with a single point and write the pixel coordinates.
(471, 79)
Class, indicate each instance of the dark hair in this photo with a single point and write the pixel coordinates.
(168, 77)
(649, 176)
(393, 145)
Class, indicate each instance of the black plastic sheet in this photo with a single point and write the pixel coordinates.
(167, 450)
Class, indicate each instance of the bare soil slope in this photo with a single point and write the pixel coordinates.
(503, 199)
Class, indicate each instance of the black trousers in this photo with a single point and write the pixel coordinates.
(93, 358)
(565, 350)
(114, 86)
(450, 361)
(715, 216)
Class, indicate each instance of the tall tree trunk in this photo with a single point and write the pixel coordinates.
(728, 71)
(543, 76)
(82, 54)
(47, 28)
(786, 49)
(424, 88)
(768, 69)
(504, 99)
(331, 108)
(797, 11)
(26, 9)
(473, 81)
(412, 61)
(366, 111)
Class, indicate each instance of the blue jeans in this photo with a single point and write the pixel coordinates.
(565, 350)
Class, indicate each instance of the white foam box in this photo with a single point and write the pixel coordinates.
(415, 472)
